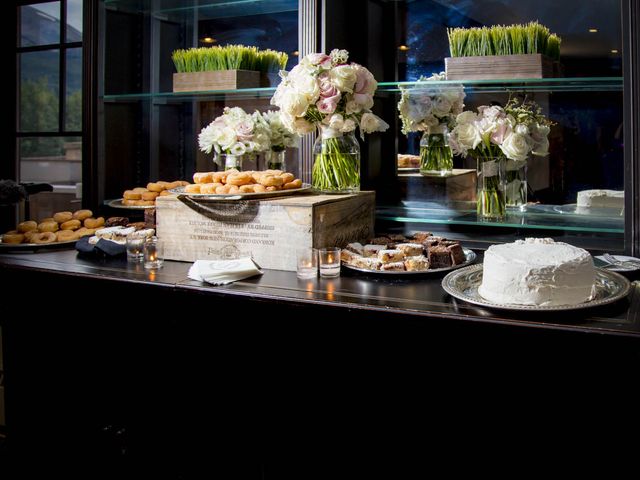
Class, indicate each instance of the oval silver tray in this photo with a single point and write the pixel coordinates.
(470, 256)
(241, 196)
(35, 246)
(117, 203)
(463, 284)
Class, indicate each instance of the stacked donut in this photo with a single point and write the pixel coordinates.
(62, 227)
(233, 181)
(146, 197)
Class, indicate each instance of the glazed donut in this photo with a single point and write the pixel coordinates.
(275, 173)
(270, 181)
(164, 184)
(202, 177)
(155, 187)
(257, 188)
(218, 177)
(193, 188)
(164, 193)
(84, 231)
(149, 195)
(297, 183)
(128, 202)
(48, 219)
(62, 217)
(44, 237)
(272, 189)
(223, 189)
(94, 222)
(13, 238)
(287, 178)
(131, 195)
(144, 203)
(139, 190)
(66, 235)
(233, 189)
(174, 185)
(29, 235)
(247, 188)
(48, 227)
(82, 215)
(209, 188)
(27, 226)
(71, 225)
(183, 183)
(242, 178)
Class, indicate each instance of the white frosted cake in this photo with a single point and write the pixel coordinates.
(537, 271)
(600, 199)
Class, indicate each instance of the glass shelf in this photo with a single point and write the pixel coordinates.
(550, 85)
(539, 217)
(594, 84)
(205, 10)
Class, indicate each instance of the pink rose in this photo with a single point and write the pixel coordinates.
(319, 59)
(502, 131)
(327, 89)
(328, 104)
(244, 130)
(365, 83)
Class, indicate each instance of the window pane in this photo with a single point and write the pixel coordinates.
(73, 120)
(54, 160)
(39, 88)
(74, 21)
(40, 24)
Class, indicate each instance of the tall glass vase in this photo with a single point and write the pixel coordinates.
(491, 198)
(336, 166)
(275, 160)
(516, 183)
(436, 157)
(227, 161)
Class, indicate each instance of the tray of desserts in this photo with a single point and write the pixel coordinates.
(234, 185)
(139, 198)
(61, 230)
(421, 253)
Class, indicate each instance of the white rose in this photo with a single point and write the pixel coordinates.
(226, 138)
(466, 118)
(238, 148)
(467, 136)
(352, 107)
(336, 121)
(441, 107)
(302, 127)
(541, 149)
(370, 123)
(522, 129)
(295, 104)
(348, 126)
(516, 147)
(343, 77)
(308, 86)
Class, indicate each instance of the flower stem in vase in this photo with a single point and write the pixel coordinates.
(516, 183)
(491, 193)
(336, 167)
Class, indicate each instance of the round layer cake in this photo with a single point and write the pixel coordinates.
(537, 271)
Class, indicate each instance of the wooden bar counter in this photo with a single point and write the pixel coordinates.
(125, 366)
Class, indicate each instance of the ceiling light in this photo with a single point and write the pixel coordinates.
(593, 30)
(208, 40)
(614, 51)
(295, 53)
(403, 48)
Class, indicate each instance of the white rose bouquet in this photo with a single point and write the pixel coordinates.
(281, 138)
(511, 133)
(336, 97)
(431, 107)
(235, 133)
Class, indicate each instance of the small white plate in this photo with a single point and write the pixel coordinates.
(618, 268)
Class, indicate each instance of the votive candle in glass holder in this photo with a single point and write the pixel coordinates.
(153, 253)
(329, 262)
(306, 262)
(135, 247)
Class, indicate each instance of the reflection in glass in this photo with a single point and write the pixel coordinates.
(55, 160)
(39, 24)
(73, 114)
(74, 21)
(39, 87)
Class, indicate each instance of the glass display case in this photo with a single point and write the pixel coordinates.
(146, 132)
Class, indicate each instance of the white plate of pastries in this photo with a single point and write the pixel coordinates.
(61, 229)
(395, 254)
(231, 184)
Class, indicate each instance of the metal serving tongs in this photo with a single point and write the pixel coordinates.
(621, 263)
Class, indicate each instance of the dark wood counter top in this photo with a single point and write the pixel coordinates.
(419, 298)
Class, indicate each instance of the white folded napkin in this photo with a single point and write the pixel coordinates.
(222, 272)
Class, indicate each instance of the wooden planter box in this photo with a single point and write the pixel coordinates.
(268, 230)
(499, 67)
(460, 185)
(217, 80)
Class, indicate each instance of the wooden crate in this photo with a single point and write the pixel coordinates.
(460, 185)
(217, 80)
(268, 230)
(499, 67)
